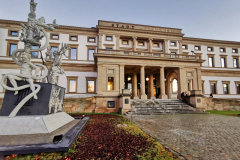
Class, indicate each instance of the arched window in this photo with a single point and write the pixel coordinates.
(174, 86)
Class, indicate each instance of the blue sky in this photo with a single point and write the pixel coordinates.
(210, 19)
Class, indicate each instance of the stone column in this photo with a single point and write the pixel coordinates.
(117, 41)
(195, 85)
(182, 83)
(166, 46)
(162, 84)
(121, 77)
(150, 44)
(180, 47)
(134, 85)
(100, 42)
(199, 79)
(151, 87)
(142, 74)
(169, 89)
(134, 43)
(100, 79)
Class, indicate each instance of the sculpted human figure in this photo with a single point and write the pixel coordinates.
(57, 60)
(25, 73)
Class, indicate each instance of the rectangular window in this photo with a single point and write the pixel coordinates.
(173, 43)
(141, 43)
(109, 48)
(125, 42)
(53, 49)
(210, 48)
(72, 84)
(210, 61)
(238, 88)
(213, 88)
(91, 84)
(225, 89)
(13, 47)
(110, 83)
(73, 38)
(111, 104)
(223, 62)
(55, 36)
(73, 53)
(222, 49)
(184, 46)
(14, 33)
(91, 39)
(234, 51)
(108, 38)
(155, 44)
(34, 54)
(197, 48)
(235, 62)
(90, 54)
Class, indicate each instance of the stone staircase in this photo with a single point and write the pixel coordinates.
(161, 106)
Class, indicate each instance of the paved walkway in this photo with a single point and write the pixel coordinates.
(195, 136)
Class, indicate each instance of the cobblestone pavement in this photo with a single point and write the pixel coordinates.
(195, 136)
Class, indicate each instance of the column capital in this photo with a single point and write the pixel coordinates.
(180, 41)
(162, 66)
(134, 37)
(100, 34)
(165, 40)
(117, 36)
(150, 39)
(122, 65)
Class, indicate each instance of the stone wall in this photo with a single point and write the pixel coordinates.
(220, 104)
(1, 101)
(81, 105)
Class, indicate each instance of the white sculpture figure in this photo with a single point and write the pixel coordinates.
(30, 35)
(57, 60)
(25, 73)
(55, 103)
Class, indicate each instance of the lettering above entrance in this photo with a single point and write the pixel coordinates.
(135, 26)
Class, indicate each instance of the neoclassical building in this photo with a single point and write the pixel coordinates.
(153, 62)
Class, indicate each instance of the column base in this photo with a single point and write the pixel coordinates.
(143, 96)
(179, 96)
(136, 97)
(153, 97)
(163, 96)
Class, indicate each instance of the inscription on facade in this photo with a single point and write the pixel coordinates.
(140, 27)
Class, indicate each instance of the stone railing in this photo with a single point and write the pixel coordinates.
(148, 54)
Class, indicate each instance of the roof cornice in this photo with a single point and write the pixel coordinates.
(210, 40)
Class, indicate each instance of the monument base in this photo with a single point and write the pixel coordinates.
(43, 142)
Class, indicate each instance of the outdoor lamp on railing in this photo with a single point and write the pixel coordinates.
(129, 78)
(147, 78)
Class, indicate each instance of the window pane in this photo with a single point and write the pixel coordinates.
(223, 62)
(184, 46)
(72, 86)
(235, 63)
(91, 39)
(109, 38)
(173, 43)
(54, 36)
(238, 88)
(125, 42)
(13, 47)
(73, 53)
(210, 62)
(213, 88)
(90, 54)
(34, 54)
(156, 44)
(91, 86)
(73, 38)
(140, 43)
(225, 88)
(53, 49)
(14, 33)
(109, 48)
(110, 83)
(111, 104)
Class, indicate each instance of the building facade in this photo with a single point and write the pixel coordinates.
(153, 62)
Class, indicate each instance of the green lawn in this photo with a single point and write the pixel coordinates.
(227, 113)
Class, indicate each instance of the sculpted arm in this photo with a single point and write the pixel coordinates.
(36, 68)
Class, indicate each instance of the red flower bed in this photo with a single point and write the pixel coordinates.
(102, 139)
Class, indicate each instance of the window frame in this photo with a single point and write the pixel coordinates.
(234, 57)
(197, 46)
(212, 49)
(91, 41)
(125, 40)
(185, 45)
(203, 88)
(37, 54)
(69, 51)
(140, 41)
(114, 88)
(225, 57)
(93, 48)
(10, 31)
(175, 43)
(212, 56)
(228, 86)
(52, 34)
(10, 41)
(224, 50)
(213, 82)
(235, 49)
(68, 83)
(109, 36)
(70, 36)
(95, 87)
(237, 83)
(158, 44)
